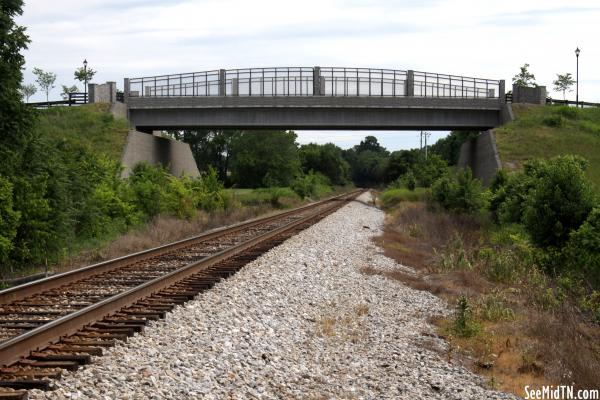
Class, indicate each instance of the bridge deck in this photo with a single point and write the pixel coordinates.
(340, 99)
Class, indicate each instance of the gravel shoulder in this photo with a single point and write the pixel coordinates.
(300, 322)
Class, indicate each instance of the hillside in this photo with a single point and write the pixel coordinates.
(548, 131)
(91, 126)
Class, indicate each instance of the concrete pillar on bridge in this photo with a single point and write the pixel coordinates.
(222, 82)
(235, 87)
(317, 82)
(410, 82)
(126, 89)
(502, 91)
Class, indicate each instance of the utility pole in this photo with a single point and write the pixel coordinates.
(421, 142)
(427, 134)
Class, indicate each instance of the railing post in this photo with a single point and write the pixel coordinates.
(501, 91)
(317, 81)
(222, 82)
(126, 90)
(410, 82)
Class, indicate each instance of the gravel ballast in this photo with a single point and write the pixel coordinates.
(300, 322)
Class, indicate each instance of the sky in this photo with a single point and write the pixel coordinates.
(484, 39)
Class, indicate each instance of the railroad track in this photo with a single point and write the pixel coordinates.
(61, 322)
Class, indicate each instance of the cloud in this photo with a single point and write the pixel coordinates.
(129, 38)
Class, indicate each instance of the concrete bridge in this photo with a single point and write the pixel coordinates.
(314, 98)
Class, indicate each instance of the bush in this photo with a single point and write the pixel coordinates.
(430, 170)
(464, 325)
(554, 121)
(583, 249)
(558, 201)
(313, 184)
(392, 197)
(9, 219)
(459, 193)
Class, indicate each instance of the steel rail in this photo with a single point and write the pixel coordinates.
(18, 347)
(20, 292)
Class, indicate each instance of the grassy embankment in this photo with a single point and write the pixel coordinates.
(544, 132)
(76, 131)
(515, 323)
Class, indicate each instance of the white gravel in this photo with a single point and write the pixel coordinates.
(300, 322)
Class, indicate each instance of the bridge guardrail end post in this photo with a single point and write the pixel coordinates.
(317, 81)
(410, 83)
(502, 91)
(222, 82)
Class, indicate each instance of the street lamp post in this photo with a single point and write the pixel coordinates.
(577, 51)
(85, 80)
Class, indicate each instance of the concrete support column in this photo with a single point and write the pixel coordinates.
(222, 83)
(410, 83)
(502, 91)
(112, 90)
(126, 90)
(317, 81)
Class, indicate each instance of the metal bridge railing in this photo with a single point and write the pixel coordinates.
(317, 81)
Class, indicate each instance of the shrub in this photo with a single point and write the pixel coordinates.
(583, 249)
(395, 196)
(430, 170)
(313, 184)
(464, 325)
(558, 201)
(565, 111)
(411, 181)
(554, 121)
(9, 219)
(459, 193)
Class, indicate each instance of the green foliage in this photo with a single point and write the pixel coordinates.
(211, 149)
(326, 159)
(9, 219)
(582, 252)
(265, 159)
(66, 90)
(555, 121)
(84, 74)
(275, 195)
(313, 184)
(464, 325)
(449, 147)
(459, 192)
(563, 83)
(28, 90)
(45, 80)
(528, 137)
(558, 201)
(411, 181)
(454, 255)
(394, 196)
(400, 162)
(430, 170)
(524, 77)
(493, 307)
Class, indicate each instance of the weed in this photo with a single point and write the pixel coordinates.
(454, 256)
(464, 326)
(493, 308)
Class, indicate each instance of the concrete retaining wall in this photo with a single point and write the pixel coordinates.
(481, 155)
(530, 95)
(174, 155)
(103, 93)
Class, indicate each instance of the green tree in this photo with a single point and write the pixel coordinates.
(449, 147)
(559, 200)
(45, 80)
(15, 118)
(459, 192)
(84, 75)
(326, 159)
(28, 90)
(264, 158)
(524, 77)
(211, 148)
(8, 219)
(66, 90)
(563, 83)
